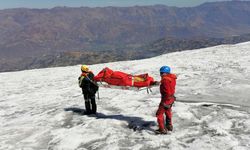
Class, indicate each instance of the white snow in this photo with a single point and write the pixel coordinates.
(39, 109)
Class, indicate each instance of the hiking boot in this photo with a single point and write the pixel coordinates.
(169, 127)
(161, 131)
(93, 112)
(87, 113)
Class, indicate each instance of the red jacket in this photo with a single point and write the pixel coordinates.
(167, 88)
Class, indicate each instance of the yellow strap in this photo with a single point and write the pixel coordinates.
(139, 79)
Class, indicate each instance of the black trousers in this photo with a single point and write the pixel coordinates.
(90, 103)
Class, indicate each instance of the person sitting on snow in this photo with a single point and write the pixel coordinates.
(167, 90)
(89, 88)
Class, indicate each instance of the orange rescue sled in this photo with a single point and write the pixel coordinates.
(116, 79)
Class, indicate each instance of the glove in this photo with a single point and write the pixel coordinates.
(156, 83)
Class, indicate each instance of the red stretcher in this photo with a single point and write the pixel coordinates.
(108, 78)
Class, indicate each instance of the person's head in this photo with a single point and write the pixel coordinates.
(165, 70)
(84, 68)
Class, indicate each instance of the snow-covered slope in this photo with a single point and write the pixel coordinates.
(38, 108)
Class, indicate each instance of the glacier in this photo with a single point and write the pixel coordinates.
(39, 109)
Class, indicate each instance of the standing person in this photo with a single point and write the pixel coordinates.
(167, 90)
(89, 88)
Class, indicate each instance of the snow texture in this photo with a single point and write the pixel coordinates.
(41, 108)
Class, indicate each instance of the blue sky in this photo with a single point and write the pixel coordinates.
(96, 3)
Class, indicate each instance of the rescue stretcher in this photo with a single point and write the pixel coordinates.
(108, 78)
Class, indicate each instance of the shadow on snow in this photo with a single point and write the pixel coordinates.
(135, 123)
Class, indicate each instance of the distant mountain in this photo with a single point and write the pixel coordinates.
(162, 46)
(28, 34)
(167, 45)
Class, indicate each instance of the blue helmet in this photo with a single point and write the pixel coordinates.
(165, 69)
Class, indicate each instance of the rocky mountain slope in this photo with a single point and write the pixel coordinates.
(28, 34)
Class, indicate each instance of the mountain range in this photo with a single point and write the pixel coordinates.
(31, 34)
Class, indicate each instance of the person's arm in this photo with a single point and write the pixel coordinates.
(80, 81)
(163, 90)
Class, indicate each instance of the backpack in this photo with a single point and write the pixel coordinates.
(92, 86)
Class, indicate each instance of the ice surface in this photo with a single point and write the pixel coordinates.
(41, 108)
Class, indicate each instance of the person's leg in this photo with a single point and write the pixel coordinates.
(168, 114)
(93, 104)
(87, 103)
(160, 118)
